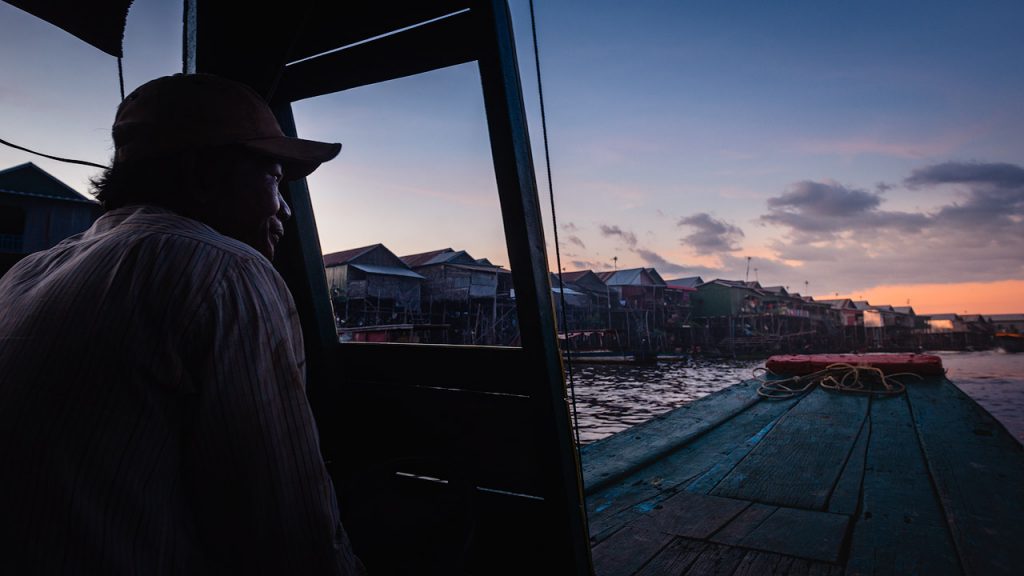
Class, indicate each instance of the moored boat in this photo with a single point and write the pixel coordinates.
(1009, 342)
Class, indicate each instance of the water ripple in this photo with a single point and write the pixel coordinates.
(611, 398)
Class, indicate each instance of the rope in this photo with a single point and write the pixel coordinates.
(839, 377)
(554, 223)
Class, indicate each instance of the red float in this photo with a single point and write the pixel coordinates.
(798, 365)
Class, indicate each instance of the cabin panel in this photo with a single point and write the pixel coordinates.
(470, 417)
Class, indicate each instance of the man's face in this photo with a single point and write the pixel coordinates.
(247, 205)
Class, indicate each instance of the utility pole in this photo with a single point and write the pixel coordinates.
(746, 277)
(615, 260)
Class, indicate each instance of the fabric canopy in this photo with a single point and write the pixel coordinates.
(97, 22)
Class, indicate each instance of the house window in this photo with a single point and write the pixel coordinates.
(408, 214)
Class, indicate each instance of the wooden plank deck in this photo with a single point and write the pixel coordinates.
(825, 484)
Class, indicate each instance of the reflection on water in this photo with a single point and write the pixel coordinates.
(995, 380)
(610, 398)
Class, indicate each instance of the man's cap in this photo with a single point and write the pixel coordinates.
(195, 111)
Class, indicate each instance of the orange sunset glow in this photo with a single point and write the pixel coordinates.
(1002, 297)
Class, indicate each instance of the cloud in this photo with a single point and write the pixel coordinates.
(992, 196)
(628, 237)
(821, 210)
(569, 227)
(768, 271)
(587, 265)
(998, 175)
(840, 239)
(574, 239)
(711, 236)
(825, 199)
(655, 260)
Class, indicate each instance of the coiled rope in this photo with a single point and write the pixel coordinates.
(839, 377)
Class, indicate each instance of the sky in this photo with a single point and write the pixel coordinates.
(871, 149)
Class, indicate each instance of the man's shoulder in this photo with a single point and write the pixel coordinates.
(173, 228)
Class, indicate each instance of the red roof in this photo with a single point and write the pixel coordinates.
(574, 276)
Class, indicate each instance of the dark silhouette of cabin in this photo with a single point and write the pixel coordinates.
(590, 308)
(371, 287)
(637, 303)
(37, 211)
(472, 296)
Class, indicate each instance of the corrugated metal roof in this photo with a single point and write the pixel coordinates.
(478, 268)
(836, 303)
(628, 277)
(387, 270)
(30, 180)
(737, 283)
(575, 275)
(568, 291)
(658, 280)
(338, 258)
(425, 258)
(688, 282)
(455, 258)
(752, 286)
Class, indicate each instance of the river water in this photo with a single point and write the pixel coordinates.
(995, 380)
(611, 398)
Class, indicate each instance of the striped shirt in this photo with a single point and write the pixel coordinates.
(153, 415)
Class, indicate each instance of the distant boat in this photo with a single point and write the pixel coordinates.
(1010, 342)
(610, 357)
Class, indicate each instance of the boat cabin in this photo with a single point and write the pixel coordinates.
(446, 459)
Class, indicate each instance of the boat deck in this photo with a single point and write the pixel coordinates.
(926, 482)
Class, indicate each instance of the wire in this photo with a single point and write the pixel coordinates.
(554, 225)
(120, 76)
(57, 158)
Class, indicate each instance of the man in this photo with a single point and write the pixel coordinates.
(153, 416)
